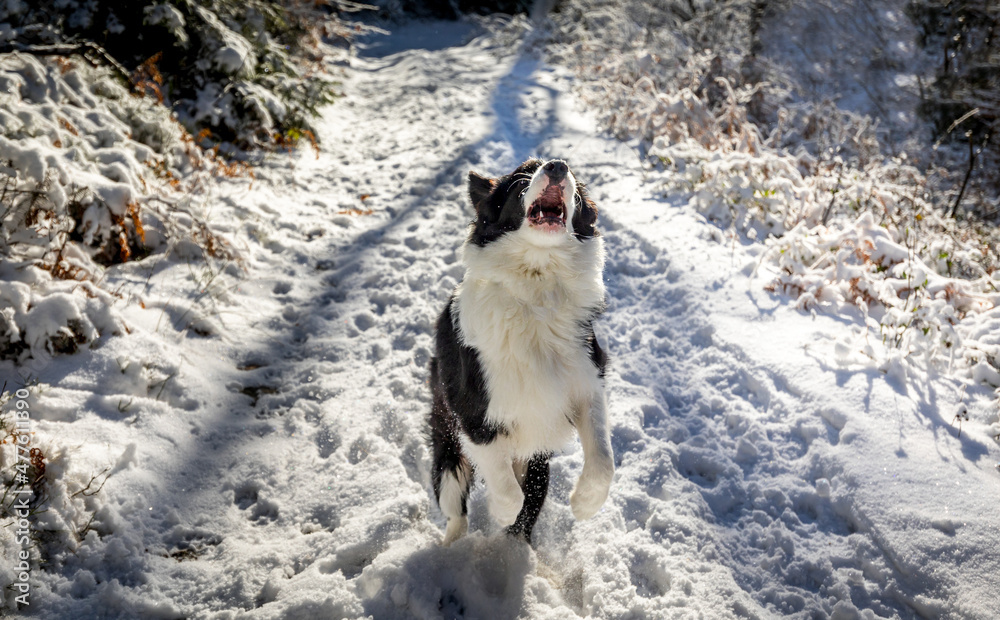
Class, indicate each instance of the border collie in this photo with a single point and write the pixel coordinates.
(516, 366)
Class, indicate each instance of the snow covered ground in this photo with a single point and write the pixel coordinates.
(259, 424)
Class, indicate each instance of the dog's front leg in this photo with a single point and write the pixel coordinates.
(496, 466)
(598, 463)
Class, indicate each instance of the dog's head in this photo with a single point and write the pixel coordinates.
(542, 200)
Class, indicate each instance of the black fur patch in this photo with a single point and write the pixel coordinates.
(597, 354)
(443, 435)
(498, 202)
(459, 384)
(535, 488)
(585, 217)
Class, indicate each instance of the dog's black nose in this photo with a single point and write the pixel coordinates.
(556, 169)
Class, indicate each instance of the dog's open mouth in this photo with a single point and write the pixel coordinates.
(548, 212)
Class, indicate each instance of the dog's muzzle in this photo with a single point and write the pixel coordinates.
(550, 195)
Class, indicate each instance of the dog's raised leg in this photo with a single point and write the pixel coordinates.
(495, 465)
(598, 462)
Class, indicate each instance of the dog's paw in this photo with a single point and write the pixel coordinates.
(506, 506)
(590, 492)
(457, 527)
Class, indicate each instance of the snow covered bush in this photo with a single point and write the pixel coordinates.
(46, 483)
(108, 163)
(90, 176)
(247, 73)
(112, 120)
(844, 238)
(848, 228)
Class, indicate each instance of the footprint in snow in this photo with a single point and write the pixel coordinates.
(416, 243)
(327, 442)
(246, 495)
(282, 288)
(260, 510)
(364, 321)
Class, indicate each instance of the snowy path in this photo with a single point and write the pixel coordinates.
(280, 471)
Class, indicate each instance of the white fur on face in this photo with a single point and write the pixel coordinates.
(540, 181)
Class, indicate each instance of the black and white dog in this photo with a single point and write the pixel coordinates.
(517, 367)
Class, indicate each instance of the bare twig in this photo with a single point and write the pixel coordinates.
(968, 173)
(833, 197)
(86, 49)
(84, 490)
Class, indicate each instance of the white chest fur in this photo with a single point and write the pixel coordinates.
(524, 308)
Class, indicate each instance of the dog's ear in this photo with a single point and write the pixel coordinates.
(479, 188)
(585, 217)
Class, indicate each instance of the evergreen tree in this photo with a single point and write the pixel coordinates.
(231, 69)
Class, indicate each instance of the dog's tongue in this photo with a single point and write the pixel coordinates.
(551, 196)
(547, 211)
